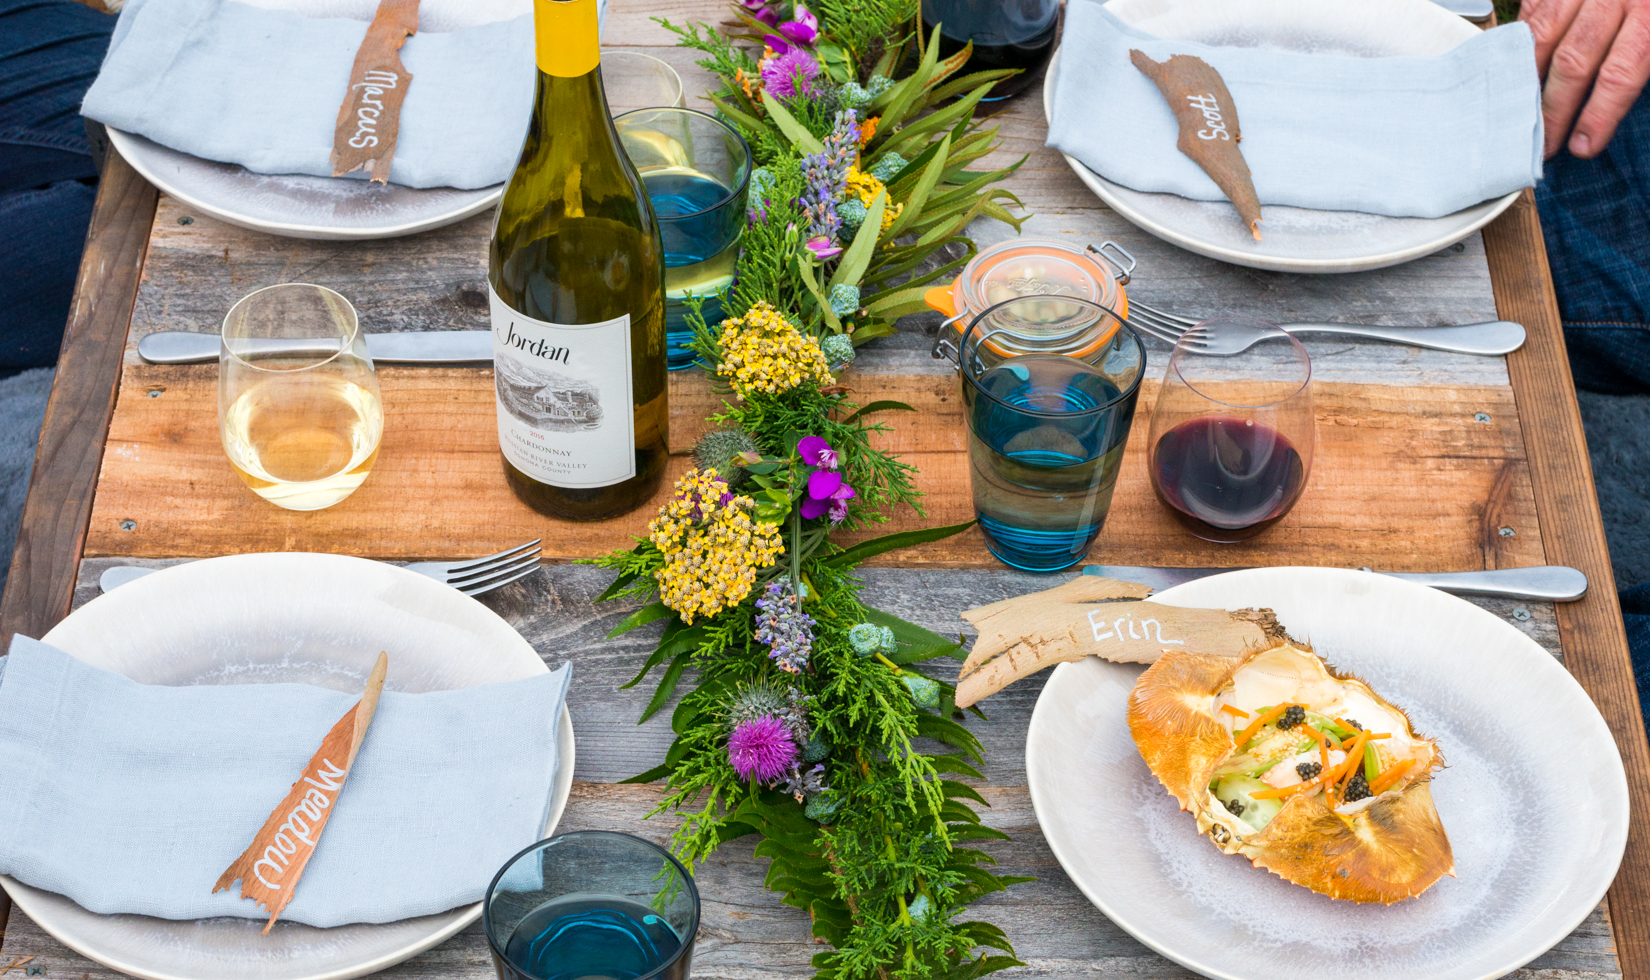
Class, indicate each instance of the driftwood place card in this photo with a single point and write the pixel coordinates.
(1209, 132)
(1099, 616)
(269, 869)
(369, 120)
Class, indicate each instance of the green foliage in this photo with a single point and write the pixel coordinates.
(877, 845)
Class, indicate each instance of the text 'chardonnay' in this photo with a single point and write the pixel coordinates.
(576, 276)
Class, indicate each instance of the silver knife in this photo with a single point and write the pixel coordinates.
(1552, 583)
(414, 347)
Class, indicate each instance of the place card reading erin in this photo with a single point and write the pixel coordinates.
(269, 869)
(1100, 616)
(369, 120)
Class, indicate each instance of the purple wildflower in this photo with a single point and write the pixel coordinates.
(815, 451)
(790, 75)
(784, 627)
(839, 504)
(823, 248)
(804, 29)
(762, 749)
(827, 175)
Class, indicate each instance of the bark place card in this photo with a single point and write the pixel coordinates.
(1100, 616)
(369, 120)
(1209, 132)
(269, 869)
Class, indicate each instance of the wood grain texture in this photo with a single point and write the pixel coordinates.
(1404, 479)
(746, 932)
(1595, 641)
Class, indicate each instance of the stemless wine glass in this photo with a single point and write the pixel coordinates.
(1232, 435)
(697, 171)
(592, 904)
(298, 403)
(632, 80)
(1049, 387)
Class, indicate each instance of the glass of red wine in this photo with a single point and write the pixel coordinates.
(1232, 435)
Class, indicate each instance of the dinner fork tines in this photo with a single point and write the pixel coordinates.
(1488, 338)
(477, 575)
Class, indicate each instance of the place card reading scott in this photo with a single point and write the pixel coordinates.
(1100, 616)
(269, 869)
(370, 118)
(1209, 132)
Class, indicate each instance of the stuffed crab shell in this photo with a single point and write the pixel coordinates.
(1309, 774)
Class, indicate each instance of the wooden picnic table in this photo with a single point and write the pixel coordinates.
(1426, 461)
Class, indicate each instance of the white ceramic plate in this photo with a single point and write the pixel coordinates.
(282, 618)
(1534, 798)
(1296, 239)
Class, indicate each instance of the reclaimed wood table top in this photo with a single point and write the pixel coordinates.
(1426, 461)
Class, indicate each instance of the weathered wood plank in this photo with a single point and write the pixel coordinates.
(746, 932)
(1594, 638)
(1404, 479)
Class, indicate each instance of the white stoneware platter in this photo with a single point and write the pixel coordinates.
(274, 619)
(1295, 239)
(1534, 797)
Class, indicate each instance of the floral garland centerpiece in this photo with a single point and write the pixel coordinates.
(803, 714)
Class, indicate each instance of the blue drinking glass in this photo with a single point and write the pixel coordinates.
(697, 171)
(589, 904)
(1049, 389)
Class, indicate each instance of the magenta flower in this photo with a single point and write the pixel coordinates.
(823, 248)
(761, 748)
(817, 452)
(777, 43)
(767, 17)
(804, 29)
(839, 504)
(791, 74)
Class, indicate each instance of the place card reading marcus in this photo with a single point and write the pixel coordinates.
(370, 118)
(269, 869)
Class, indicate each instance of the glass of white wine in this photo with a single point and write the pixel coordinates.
(298, 402)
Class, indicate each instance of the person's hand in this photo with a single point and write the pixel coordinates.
(1601, 44)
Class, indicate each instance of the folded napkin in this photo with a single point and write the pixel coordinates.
(128, 797)
(242, 84)
(1410, 137)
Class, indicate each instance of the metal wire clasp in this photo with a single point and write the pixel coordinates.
(943, 347)
(1124, 267)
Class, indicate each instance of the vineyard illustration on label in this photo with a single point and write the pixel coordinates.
(545, 399)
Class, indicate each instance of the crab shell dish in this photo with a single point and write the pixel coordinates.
(1306, 772)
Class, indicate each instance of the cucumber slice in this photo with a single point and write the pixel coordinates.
(1256, 813)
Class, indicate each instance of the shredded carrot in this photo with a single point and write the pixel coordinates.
(1323, 747)
(1390, 777)
(1259, 723)
(1354, 758)
(1375, 735)
(1234, 710)
(1277, 794)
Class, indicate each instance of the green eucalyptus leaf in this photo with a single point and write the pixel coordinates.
(614, 587)
(667, 687)
(890, 542)
(925, 186)
(882, 405)
(857, 258)
(806, 269)
(641, 617)
(794, 131)
(872, 328)
(836, 61)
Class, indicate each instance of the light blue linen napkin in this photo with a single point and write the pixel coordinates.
(129, 797)
(241, 84)
(1407, 137)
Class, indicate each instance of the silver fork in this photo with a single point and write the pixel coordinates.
(1487, 338)
(471, 576)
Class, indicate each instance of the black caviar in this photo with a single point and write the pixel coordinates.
(1353, 723)
(1292, 716)
(1358, 788)
(1308, 770)
(1235, 807)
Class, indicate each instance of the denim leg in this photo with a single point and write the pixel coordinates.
(42, 233)
(1595, 216)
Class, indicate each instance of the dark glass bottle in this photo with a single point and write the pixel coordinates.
(1006, 34)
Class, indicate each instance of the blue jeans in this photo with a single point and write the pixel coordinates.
(50, 51)
(1595, 216)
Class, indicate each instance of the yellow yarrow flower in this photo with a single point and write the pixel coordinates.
(864, 186)
(762, 351)
(712, 547)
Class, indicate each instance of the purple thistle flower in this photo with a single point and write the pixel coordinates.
(784, 627)
(791, 74)
(761, 748)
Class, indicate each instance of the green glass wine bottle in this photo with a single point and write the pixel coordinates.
(576, 276)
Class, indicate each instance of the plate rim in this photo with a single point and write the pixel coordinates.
(134, 154)
(1544, 944)
(25, 895)
(1108, 192)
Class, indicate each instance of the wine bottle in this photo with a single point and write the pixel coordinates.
(576, 277)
